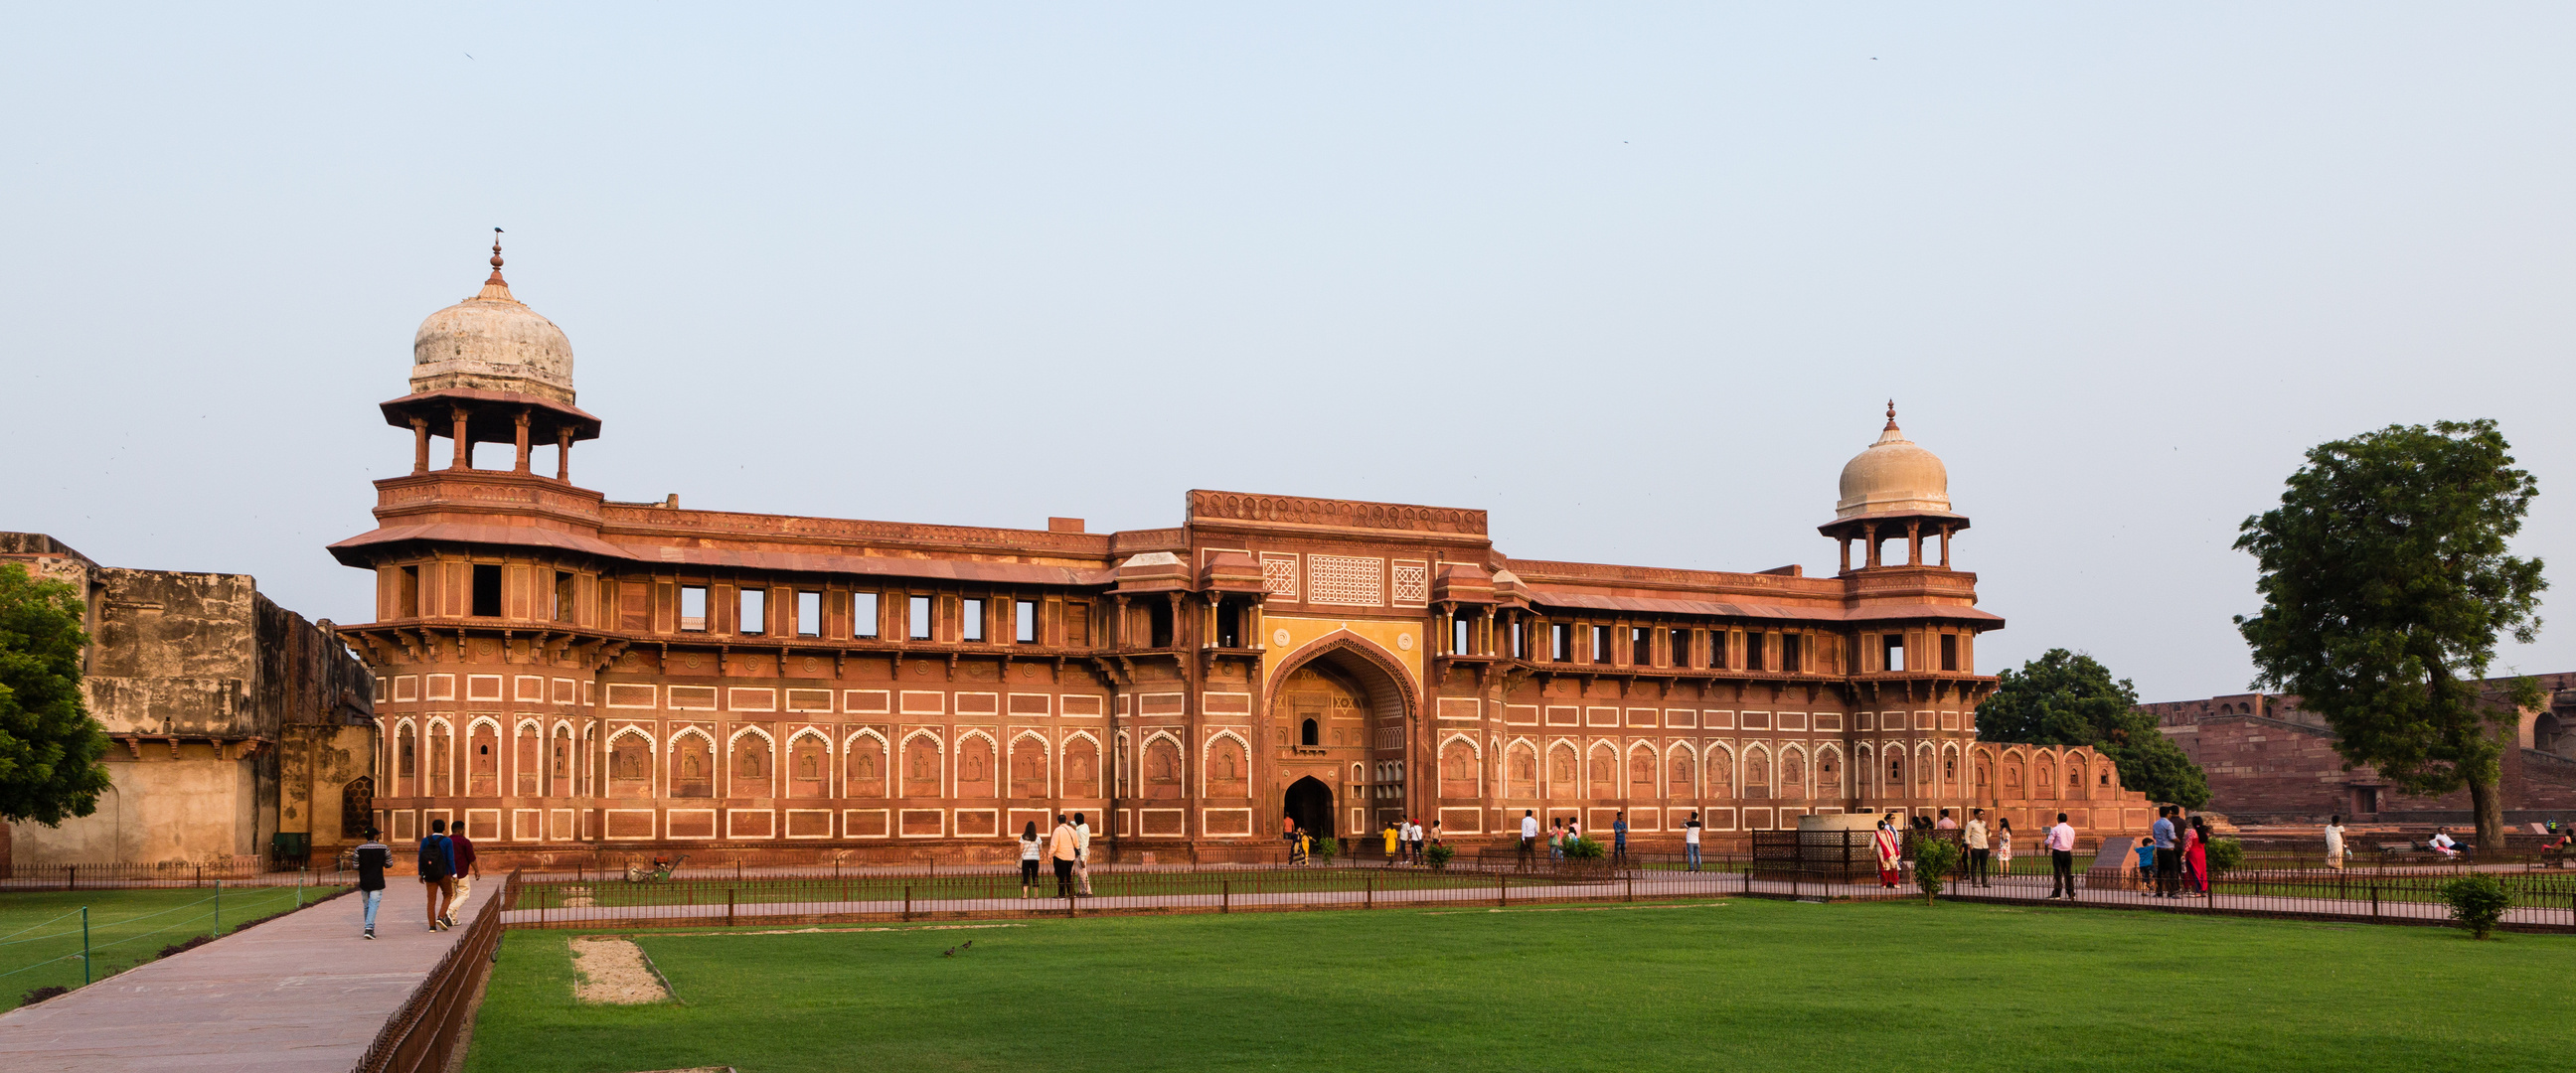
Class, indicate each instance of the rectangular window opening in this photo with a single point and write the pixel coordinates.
(1949, 651)
(754, 606)
(1681, 648)
(487, 590)
(1790, 654)
(1560, 642)
(1460, 634)
(1600, 644)
(863, 615)
(1519, 639)
(1158, 625)
(1641, 646)
(1892, 646)
(693, 608)
(1024, 621)
(407, 594)
(970, 619)
(917, 618)
(563, 596)
(1752, 651)
(809, 614)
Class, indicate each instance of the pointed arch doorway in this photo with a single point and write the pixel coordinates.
(1340, 716)
(1309, 804)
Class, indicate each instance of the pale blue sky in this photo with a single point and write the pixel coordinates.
(1636, 280)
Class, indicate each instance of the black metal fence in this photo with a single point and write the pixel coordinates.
(422, 1035)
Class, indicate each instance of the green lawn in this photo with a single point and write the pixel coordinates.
(860, 886)
(40, 932)
(1741, 984)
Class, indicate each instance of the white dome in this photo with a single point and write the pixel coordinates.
(492, 342)
(1894, 477)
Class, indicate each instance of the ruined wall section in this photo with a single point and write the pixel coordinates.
(176, 654)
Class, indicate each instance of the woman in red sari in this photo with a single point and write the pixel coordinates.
(1889, 850)
(2196, 853)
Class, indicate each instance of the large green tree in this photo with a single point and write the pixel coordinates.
(49, 746)
(2385, 582)
(2069, 698)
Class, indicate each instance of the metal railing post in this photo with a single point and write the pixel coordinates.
(1502, 890)
(907, 903)
(85, 960)
(1224, 895)
(728, 907)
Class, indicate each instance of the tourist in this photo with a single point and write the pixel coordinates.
(1435, 833)
(1031, 848)
(1394, 838)
(2195, 854)
(1947, 824)
(1062, 853)
(1555, 839)
(2168, 855)
(1296, 847)
(1413, 833)
(437, 872)
(467, 871)
(1690, 840)
(1889, 849)
(1529, 835)
(2146, 854)
(1619, 837)
(2061, 858)
(2003, 845)
(2334, 842)
(1081, 856)
(2442, 843)
(1975, 837)
(373, 858)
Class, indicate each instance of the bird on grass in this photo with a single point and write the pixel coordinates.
(967, 945)
(952, 952)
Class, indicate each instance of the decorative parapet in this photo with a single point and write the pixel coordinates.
(1336, 513)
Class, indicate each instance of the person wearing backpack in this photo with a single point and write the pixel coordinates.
(373, 858)
(437, 873)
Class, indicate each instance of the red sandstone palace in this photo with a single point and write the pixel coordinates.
(563, 673)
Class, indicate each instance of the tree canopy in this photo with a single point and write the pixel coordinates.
(2385, 581)
(49, 746)
(2070, 698)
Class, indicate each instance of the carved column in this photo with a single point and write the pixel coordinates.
(1869, 535)
(464, 443)
(419, 445)
(1913, 542)
(563, 454)
(521, 440)
(1945, 547)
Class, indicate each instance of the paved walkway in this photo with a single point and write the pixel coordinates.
(299, 993)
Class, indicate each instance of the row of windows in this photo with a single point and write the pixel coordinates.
(920, 620)
(1758, 651)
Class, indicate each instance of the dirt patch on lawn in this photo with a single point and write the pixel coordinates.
(615, 972)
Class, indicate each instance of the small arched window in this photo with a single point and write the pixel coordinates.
(1306, 735)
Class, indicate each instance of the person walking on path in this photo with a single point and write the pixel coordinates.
(1081, 856)
(1975, 837)
(2003, 846)
(2168, 854)
(437, 872)
(2061, 858)
(1690, 840)
(1889, 849)
(2334, 842)
(373, 858)
(1529, 836)
(1031, 848)
(2195, 854)
(467, 871)
(1619, 837)
(1394, 838)
(1062, 853)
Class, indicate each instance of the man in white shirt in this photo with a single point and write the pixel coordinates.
(1975, 837)
(1529, 835)
(2443, 845)
(1081, 856)
(1690, 840)
(2061, 858)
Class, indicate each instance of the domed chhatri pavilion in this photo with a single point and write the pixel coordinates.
(566, 674)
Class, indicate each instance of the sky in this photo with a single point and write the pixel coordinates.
(1636, 279)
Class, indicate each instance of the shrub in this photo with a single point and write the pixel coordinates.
(1934, 859)
(2477, 902)
(1325, 848)
(1438, 855)
(2225, 855)
(1584, 849)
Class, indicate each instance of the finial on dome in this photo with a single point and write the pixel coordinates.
(1891, 403)
(496, 287)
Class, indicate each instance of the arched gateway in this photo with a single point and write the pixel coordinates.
(1339, 722)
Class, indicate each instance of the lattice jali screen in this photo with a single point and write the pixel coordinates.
(1345, 579)
(1412, 583)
